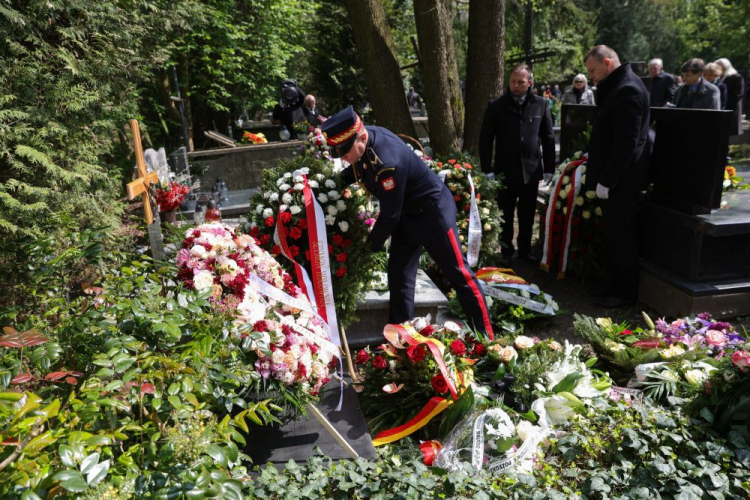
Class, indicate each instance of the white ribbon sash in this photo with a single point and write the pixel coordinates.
(475, 229)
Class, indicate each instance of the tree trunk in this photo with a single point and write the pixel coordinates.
(385, 86)
(184, 72)
(484, 64)
(445, 107)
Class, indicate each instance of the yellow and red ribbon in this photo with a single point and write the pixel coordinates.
(434, 407)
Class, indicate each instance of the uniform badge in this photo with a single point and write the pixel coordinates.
(388, 184)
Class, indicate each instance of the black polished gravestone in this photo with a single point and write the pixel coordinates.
(688, 158)
(297, 440)
(575, 122)
(695, 254)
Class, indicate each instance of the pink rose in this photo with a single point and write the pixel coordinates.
(715, 338)
(741, 359)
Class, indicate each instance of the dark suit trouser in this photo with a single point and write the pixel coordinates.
(621, 246)
(522, 196)
(445, 250)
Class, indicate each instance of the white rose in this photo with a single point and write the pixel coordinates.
(341, 205)
(330, 184)
(332, 210)
(344, 226)
(286, 199)
(524, 429)
(274, 197)
(259, 209)
(267, 213)
(203, 279)
(313, 184)
(523, 342)
(294, 209)
(323, 198)
(284, 187)
(334, 195)
(695, 377)
(199, 252)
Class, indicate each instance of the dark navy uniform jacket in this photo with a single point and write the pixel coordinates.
(408, 191)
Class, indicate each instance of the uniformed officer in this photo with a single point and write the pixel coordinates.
(416, 210)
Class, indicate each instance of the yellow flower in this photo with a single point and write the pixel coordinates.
(598, 211)
(590, 195)
(672, 351)
(586, 214)
(579, 201)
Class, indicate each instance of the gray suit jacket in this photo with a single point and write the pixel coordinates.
(706, 96)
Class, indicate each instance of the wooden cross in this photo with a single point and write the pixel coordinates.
(140, 187)
(145, 179)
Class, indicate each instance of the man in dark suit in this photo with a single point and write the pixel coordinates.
(617, 167)
(416, 210)
(519, 124)
(663, 86)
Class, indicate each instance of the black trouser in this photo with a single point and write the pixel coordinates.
(523, 196)
(621, 270)
(445, 250)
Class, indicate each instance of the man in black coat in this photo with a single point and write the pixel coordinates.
(663, 86)
(416, 210)
(617, 167)
(519, 124)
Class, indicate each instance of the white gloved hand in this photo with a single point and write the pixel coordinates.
(491, 176)
(602, 192)
(547, 179)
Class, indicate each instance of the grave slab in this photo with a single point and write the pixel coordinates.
(297, 440)
(238, 204)
(373, 311)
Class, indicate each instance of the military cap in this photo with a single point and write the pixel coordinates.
(341, 130)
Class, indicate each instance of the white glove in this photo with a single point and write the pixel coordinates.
(547, 179)
(602, 192)
(491, 176)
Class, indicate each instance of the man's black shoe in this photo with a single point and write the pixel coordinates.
(611, 302)
(528, 257)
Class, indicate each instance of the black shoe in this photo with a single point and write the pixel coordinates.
(611, 302)
(529, 257)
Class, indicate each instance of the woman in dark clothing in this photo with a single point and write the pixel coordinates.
(735, 91)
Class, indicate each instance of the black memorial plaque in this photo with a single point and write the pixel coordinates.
(688, 159)
(575, 121)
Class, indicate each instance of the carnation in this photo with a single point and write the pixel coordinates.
(286, 199)
(284, 187)
(334, 195)
(267, 213)
(344, 226)
(294, 209)
(323, 198)
(274, 197)
(330, 184)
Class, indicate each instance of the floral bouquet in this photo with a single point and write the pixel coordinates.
(685, 339)
(302, 128)
(314, 145)
(347, 222)
(418, 365)
(280, 336)
(169, 196)
(251, 138)
(455, 173)
(731, 179)
(573, 236)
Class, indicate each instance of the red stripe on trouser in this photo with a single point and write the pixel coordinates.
(472, 284)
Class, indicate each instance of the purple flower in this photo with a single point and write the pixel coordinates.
(720, 325)
(704, 316)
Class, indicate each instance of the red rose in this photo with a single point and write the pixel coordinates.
(340, 271)
(294, 250)
(427, 330)
(295, 233)
(467, 166)
(302, 223)
(269, 222)
(330, 248)
(265, 239)
(416, 353)
(286, 217)
(337, 239)
(451, 161)
(362, 357)
(467, 208)
(479, 350)
(456, 198)
(440, 164)
(379, 362)
(346, 244)
(276, 250)
(254, 231)
(341, 257)
(458, 348)
(626, 332)
(439, 384)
